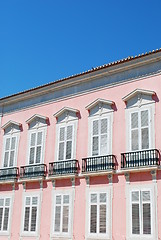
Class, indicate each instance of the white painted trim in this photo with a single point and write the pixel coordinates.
(98, 101)
(74, 123)
(17, 136)
(91, 118)
(30, 131)
(141, 187)
(109, 191)
(69, 235)
(38, 220)
(61, 111)
(10, 123)
(136, 92)
(11, 196)
(36, 116)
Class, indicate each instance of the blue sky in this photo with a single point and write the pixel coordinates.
(45, 40)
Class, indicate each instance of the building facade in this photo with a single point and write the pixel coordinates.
(80, 157)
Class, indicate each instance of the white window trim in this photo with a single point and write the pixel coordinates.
(146, 187)
(151, 110)
(17, 135)
(11, 196)
(36, 233)
(65, 236)
(30, 131)
(74, 123)
(98, 190)
(98, 117)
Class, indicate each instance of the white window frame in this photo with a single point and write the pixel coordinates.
(151, 110)
(129, 190)
(43, 130)
(17, 136)
(8, 232)
(108, 116)
(71, 193)
(108, 234)
(31, 233)
(74, 123)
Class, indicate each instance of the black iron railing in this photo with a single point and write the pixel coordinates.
(35, 170)
(63, 167)
(98, 163)
(10, 173)
(140, 158)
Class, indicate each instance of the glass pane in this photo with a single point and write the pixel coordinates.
(61, 151)
(135, 196)
(102, 197)
(146, 195)
(7, 202)
(134, 120)
(69, 150)
(145, 138)
(57, 218)
(95, 146)
(93, 198)
(104, 126)
(146, 218)
(135, 140)
(58, 199)
(32, 154)
(66, 199)
(33, 219)
(102, 219)
(103, 147)
(135, 219)
(93, 219)
(34, 200)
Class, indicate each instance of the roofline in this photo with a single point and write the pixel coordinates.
(118, 62)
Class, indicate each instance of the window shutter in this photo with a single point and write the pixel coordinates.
(57, 214)
(61, 143)
(102, 217)
(145, 129)
(93, 214)
(32, 148)
(135, 213)
(134, 131)
(104, 137)
(27, 214)
(12, 153)
(6, 154)
(65, 213)
(95, 138)
(1, 212)
(146, 212)
(39, 146)
(69, 139)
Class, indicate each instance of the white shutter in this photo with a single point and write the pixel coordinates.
(12, 152)
(145, 129)
(61, 143)
(95, 137)
(135, 212)
(104, 137)
(134, 131)
(32, 147)
(102, 213)
(65, 226)
(4, 213)
(6, 153)
(57, 213)
(93, 213)
(146, 205)
(69, 139)
(1, 212)
(39, 146)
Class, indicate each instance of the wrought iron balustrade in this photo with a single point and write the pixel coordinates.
(10, 173)
(32, 171)
(98, 163)
(140, 158)
(63, 167)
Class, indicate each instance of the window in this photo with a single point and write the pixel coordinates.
(98, 213)
(30, 215)
(62, 213)
(141, 212)
(65, 142)
(9, 151)
(100, 136)
(5, 213)
(36, 147)
(140, 130)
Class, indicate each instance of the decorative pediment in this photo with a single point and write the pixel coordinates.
(11, 126)
(99, 106)
(138, 97)
(66, 114)
(37, 121)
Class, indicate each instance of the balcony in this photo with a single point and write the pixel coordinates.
(63, 168)
(33, 171)
(137, 159)
(8, 174)
(99, 163)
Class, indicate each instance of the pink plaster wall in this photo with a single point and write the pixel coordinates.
(115, 94)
